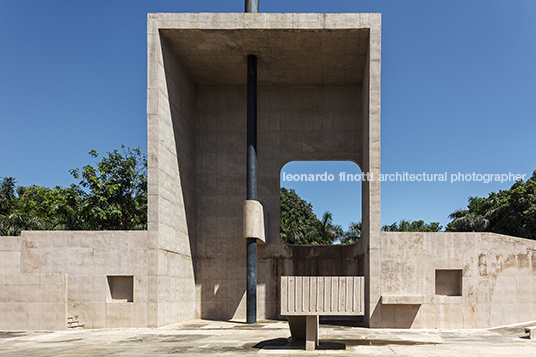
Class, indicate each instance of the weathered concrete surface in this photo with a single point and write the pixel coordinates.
(492, 280)
(209, 338)
(51, 275)
(33, 301)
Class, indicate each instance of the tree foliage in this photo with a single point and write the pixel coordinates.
(112, 195)
(412, 226)
(7, 195)
(326, 231)
(511, 212)
(299, 225)
(352, 234)
(117, 190)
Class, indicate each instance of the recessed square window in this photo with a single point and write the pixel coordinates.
(448, 282)
(120, 288)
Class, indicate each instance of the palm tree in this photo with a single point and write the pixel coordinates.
(327, 231)
(7, 195)
(352, 234)
(13, 224)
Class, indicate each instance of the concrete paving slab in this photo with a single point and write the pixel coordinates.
(268, 337)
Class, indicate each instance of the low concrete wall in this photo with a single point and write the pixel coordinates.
(33, 302)
(456, 280)
(10, 248)
(47, 276)
(427, 280)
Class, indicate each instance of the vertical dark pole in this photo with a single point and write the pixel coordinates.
(251, 248)
(251, 260)
(252, 5)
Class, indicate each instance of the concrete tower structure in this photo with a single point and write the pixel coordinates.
(318, 99)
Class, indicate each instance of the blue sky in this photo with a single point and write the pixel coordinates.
(458, 92)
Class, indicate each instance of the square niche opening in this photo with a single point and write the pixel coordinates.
(120, 288)
(448, 282)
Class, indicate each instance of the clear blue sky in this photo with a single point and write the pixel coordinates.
(458, 92)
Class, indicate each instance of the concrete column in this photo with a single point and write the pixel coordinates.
(311, 332)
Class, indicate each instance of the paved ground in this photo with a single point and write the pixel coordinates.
(210, 338)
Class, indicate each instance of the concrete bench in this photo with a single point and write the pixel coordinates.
(305, 298)
(531, 331)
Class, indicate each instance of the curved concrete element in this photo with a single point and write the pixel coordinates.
(254, 220)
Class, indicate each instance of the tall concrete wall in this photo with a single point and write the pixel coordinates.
(171, 98)
(191, 261)
(497, 277)
(371, 189)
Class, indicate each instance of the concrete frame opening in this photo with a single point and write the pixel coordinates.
(448, 282)
(329, 195)
(120, 288)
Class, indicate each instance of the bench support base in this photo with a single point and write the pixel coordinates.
(532, 332)
(304, 328)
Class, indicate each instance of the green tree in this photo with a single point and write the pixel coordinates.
(298, 223)
(353, 233)
(116, 191)
(7, 195)
(412, 226)
(57, 208)
(511, 212)
(14, 224)
(327, 232)
(13, 219)
(113, 196)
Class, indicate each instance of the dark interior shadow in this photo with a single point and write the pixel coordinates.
(275, 342)
(374, 342)
(330, 345)
(346, 321)
(288, 344)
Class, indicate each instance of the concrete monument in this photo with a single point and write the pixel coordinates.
(318, 99)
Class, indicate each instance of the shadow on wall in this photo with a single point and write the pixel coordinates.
(396, 316)
(221, 300)
(184, 135)
(306, 260)
(328, 260)
(177, 200)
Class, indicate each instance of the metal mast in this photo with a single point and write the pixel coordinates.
(251, 243)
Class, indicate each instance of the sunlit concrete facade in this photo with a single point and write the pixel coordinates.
(455, 280)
